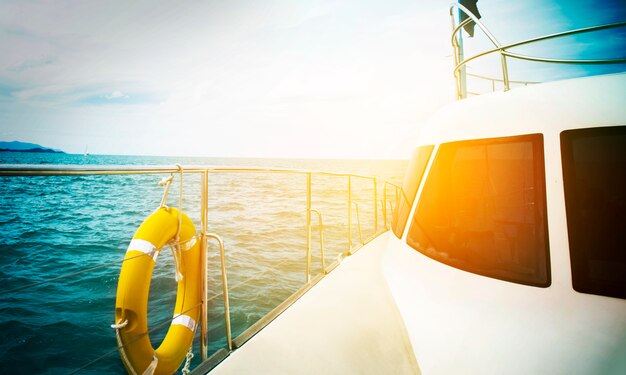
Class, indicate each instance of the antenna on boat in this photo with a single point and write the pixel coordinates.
(472, 6)
(464, 9)
(463, 70)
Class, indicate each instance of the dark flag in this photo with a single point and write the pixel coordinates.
(472, 7)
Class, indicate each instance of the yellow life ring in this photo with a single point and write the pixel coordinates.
(131, 305)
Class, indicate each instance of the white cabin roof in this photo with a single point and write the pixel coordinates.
(555, 106)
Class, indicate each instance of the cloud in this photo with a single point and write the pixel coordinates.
(224, 70)
(116, 95)
(44, 96)
(31, 64)
(42, 92)
(119, 98)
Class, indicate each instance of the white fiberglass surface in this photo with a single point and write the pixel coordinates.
(462, 322)
(459, 322)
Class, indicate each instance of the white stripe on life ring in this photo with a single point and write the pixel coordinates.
(184, 320)
(144, 246)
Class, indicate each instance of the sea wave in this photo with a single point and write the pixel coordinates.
(52, 226)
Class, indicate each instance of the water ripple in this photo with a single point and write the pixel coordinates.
(54, 226)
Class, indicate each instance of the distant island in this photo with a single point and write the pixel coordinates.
(16, 146)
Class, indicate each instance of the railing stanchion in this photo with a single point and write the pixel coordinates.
(229, 339)
(398, 193)
(463, 71)
(505, 73)
(375, 206)
(321, 230)
(349, 214)
(308, 227)
(385, 203)
(204, 201)
(455, 55)
(358, 222)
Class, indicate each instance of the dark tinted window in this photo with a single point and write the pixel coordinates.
(483, 209)
(411, 183)
(594, 174)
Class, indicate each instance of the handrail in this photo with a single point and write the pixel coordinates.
(229, 339)
(321, 230)
(10, 171)
(385, 213)
(564, 61)
(566, 33)
(385, 205)
(461, 62)
(375, 197)
(501, 80)
(470, 17)
(459, 51)
(358, 219)
(494, 80)
(308, 228)
(349, 215)
(382, 208)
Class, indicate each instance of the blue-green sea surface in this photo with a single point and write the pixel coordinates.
(52, 226)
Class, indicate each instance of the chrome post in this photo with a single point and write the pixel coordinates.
(398, 193)
(385, 203)
(308, 227)
(321, 229)
(455, 54)
(375, 206)
(322, 244)
(204, 201)
(349, 214)
(463, 70)
(229, 339)
(358, 222)
(505, 72)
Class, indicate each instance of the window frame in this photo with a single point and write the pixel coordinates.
(421, 159)
(581, 283)
(539, 172)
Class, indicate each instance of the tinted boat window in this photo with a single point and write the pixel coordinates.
(594, 174)
(483, 209)
(411, 183)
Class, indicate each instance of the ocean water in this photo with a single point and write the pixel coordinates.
(51, 226)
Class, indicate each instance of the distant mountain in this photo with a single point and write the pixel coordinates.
(17, 146)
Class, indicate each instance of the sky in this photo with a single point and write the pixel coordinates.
(243, 78)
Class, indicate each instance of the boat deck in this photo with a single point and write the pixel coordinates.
(346, 324)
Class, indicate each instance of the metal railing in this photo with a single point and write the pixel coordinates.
(204, 172)
(358, 221)
(385, 201)
(321, 240)
(493, 82)
(460, 62)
